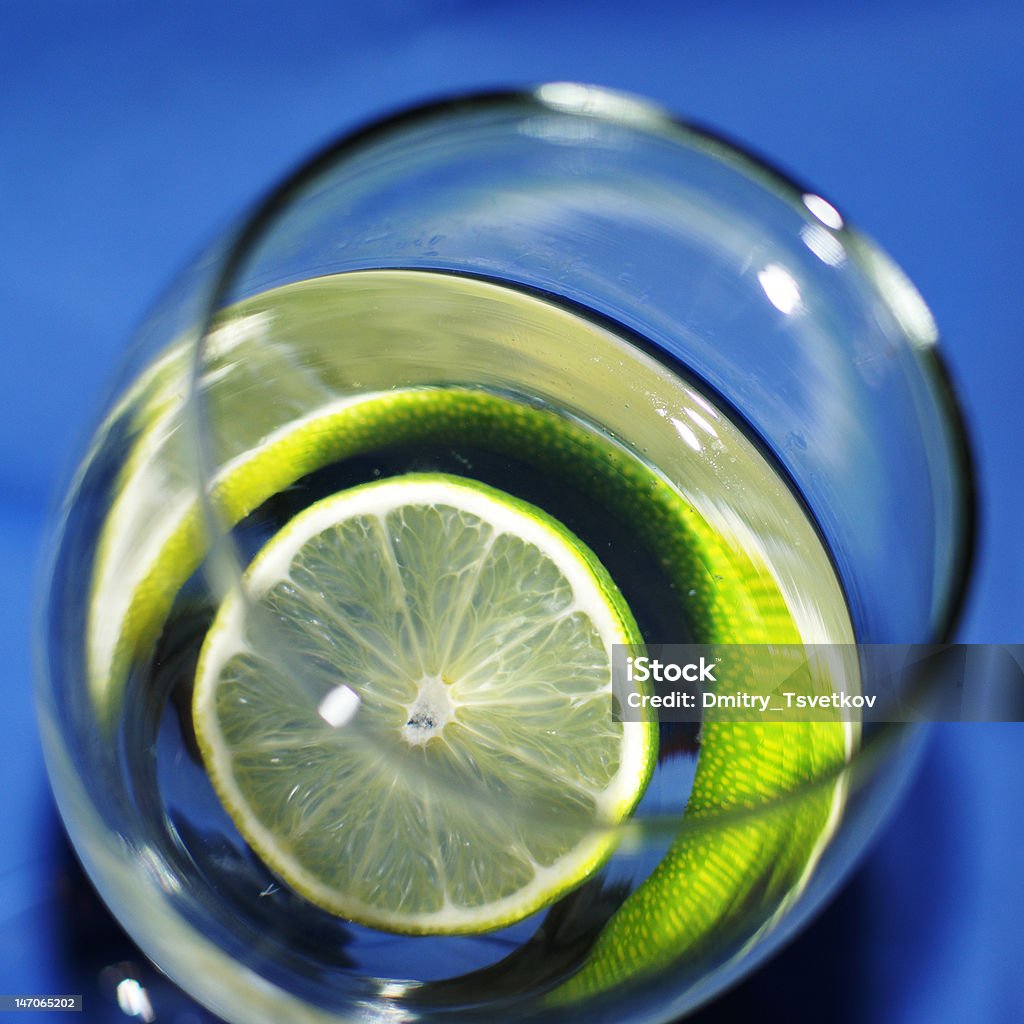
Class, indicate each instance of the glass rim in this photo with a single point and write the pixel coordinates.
(635, 112)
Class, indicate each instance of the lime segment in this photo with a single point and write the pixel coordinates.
(410, 664)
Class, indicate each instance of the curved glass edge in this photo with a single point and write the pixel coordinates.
(591, 101)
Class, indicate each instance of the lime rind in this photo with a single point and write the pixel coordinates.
(514, 802)
(747, 847)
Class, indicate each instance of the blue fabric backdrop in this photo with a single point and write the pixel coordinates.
(130, 132)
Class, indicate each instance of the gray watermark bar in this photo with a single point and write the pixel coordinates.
(877, 683)
(29, 1003)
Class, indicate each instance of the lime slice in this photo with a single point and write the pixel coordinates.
(447, 661)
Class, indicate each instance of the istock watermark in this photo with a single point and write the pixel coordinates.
(819, 682)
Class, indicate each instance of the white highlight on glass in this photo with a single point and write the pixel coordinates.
(338, 706)
(223, 340)
(702, 423)
(823, 244)
(904, 300)
(687, 434)
(573, 98)
(133, 1000)
(823, 210)
(781, 288)
(151, 860)
(703, 403)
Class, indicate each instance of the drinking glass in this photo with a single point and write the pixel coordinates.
(641, 282)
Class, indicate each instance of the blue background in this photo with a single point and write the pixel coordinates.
(131, 132)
